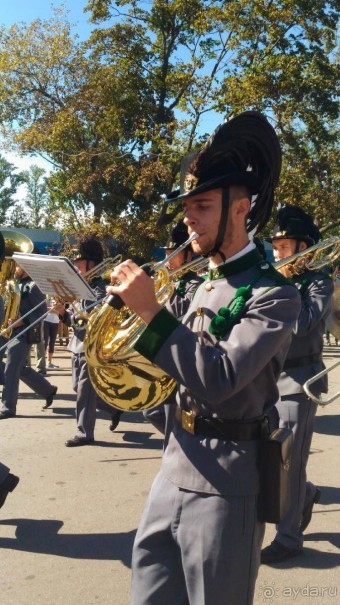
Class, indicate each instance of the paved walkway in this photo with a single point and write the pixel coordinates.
(66, 532)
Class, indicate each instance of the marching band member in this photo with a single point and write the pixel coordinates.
(296, 231)
(8, 481)
(15, 368)
(90, 254)
(200, 537)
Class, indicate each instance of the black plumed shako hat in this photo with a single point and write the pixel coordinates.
(294, 223)
(90, 248)
(243, 151)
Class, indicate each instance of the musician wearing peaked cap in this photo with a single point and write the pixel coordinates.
(295, 231)
(15, 368)
(200, 536)
(89, 256)
(8, 481)
(184, 289)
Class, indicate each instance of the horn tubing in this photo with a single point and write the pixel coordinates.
(115, 301)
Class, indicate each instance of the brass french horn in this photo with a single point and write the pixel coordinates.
(122, 377)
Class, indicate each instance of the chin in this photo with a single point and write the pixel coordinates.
(197, 248)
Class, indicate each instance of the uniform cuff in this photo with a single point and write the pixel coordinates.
(155, 334)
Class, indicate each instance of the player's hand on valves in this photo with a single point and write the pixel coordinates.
(136, 289)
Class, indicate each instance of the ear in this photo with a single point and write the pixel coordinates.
(302, 246)
(242, 207)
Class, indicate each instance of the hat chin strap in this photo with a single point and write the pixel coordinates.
(221, 227)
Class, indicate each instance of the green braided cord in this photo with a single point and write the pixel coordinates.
(227, 316)
(180, 290)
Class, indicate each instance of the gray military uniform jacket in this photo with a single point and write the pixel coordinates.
(183, 293)
(233, 377)
(304, 358)
(30, 297)
(162, 416)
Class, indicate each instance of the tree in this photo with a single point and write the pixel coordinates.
(116, 114)
(37, 197)
(225, 57)
(10, 181)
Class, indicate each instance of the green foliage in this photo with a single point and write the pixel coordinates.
(116, 114)
(10, 181)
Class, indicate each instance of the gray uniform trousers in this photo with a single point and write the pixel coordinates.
(202, 527)
(297, 412)
(15, 370)
(87, 399)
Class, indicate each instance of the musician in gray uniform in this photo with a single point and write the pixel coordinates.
(295, 231)
(185, 287)
(90, 255)
(15, 368)
(200, 537)
(8, 481)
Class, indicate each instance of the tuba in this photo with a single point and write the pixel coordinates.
(9, 288)
(122, 377)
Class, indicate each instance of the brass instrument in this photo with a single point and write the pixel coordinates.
(103, 269)
(313, 258)
(121, 376)
(9, 287)
(333, 317)
(321, 400)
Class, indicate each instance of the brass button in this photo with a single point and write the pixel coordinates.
(208, 286)
(199, 311)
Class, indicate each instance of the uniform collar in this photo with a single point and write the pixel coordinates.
(236, 265)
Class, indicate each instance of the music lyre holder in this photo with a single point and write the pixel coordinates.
(56, 277)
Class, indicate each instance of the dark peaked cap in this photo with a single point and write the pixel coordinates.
(243, 151)
(90, 248)
(294, 223)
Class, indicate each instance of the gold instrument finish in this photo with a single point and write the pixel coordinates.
(122, 377)
(312, 259)
(9, 287)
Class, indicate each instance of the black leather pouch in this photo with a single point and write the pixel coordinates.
(275, 492)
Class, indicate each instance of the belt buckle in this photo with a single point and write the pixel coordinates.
(188, 421)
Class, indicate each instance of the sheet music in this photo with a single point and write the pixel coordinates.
(55, 276)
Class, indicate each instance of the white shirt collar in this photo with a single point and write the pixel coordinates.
(248, 248)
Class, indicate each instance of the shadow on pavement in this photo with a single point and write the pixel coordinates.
(135, 440)
(329, 495)
(41, 536)
(327, 425)
(312, 558)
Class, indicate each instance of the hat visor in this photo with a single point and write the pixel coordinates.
(246, 179)
(309, 241)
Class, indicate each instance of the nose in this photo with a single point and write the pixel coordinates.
(189, 218)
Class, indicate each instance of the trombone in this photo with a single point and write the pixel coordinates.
(313, 258)
(321, 401)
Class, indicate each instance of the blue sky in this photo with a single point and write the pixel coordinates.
(16, 11)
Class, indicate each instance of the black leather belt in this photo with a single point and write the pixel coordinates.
(301, 361)
(230, 430)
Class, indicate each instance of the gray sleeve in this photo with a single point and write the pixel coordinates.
(316, 303)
